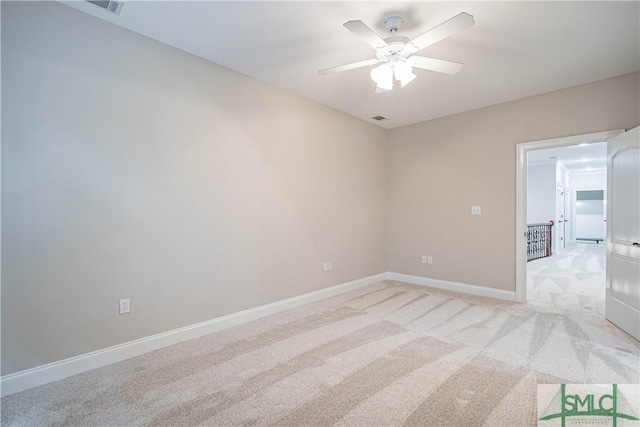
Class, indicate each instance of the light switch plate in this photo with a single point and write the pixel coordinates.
(476, 210)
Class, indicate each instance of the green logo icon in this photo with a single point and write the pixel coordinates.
(564, 405)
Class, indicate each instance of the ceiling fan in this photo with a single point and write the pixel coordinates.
(396, 53)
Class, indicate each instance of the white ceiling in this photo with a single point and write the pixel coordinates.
(515, 49)
(577, 158)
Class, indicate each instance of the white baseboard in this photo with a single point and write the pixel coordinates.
(454, 286)
(20, 381)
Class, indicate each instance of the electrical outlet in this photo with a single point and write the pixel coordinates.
(424, 259)
(429, 260)
(125, 306)
(476, 210)
(325, 266)
(330, 265)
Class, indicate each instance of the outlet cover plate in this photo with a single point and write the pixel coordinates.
(125, 306)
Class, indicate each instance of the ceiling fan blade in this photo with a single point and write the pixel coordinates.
(442, 31)
(349, 66)
(365, 33)
(433, 64)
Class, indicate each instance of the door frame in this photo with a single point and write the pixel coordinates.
(522, 149)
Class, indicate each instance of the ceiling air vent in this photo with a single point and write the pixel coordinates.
(110, 5)
(379, 118)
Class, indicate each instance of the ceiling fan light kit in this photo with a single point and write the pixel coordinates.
(396, 53)
(384, 75)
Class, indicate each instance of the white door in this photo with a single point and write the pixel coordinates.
(623, 232)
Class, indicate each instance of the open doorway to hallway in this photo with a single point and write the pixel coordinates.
(622, 197)
(566, 227)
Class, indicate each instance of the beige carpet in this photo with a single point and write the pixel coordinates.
(574, 279)
(386, 354)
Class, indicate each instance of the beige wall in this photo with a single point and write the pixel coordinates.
(132, 169)
(438, 169)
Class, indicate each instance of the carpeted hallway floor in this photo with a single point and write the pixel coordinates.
(387, 354)
(574, 279)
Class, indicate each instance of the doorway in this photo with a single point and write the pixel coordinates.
(590, 217)
(523, 152)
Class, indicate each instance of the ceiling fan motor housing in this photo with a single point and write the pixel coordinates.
(395, 50)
